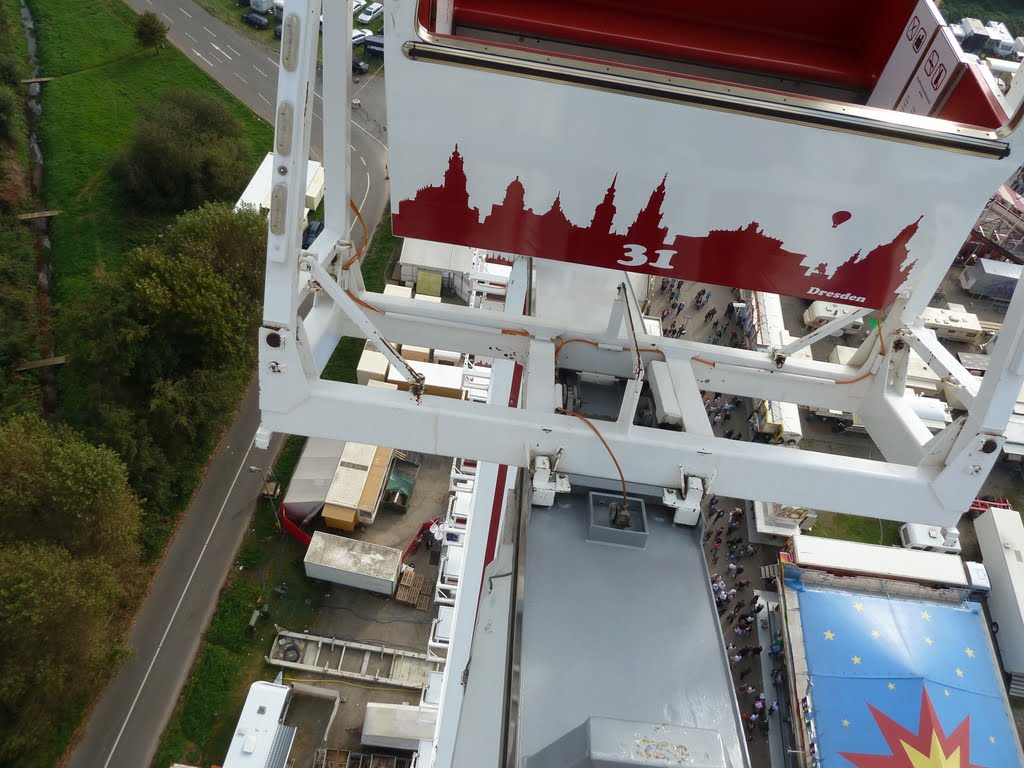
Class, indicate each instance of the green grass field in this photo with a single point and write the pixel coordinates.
(833, 525)
(89, 112)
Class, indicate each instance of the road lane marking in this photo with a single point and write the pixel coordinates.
(167, 17)
(197, 53)
(318, 117)
(240, 78)
(270, 60)
(185, 12)
(264, 98)
(357, 125)
(318, 95)
(362, 160)
(181, 599)
(221, 52)
(233, 50)
(259, 70)
(191, 38)
(208, 30)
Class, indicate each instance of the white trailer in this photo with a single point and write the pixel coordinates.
(851, 558)
(954, 324)
(353, 563)
(821, 312)
(1001, 537)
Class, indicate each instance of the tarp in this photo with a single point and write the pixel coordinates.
(312, 479)
(892, 677)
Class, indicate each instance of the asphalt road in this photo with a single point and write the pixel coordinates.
(130, 717)
(247, 67)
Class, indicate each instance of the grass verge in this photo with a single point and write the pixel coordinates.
(89, 113)
(833, 525)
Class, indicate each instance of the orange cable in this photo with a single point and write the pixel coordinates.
(515, 332)
(366, 236)
(702, 360)
(564, 342)
(360, 302)
(604, 442)
(881, 351)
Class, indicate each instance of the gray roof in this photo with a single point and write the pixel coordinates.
(619, 632)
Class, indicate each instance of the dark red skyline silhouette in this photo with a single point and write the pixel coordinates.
(743, 258)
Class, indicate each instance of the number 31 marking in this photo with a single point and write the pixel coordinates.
(638, 256)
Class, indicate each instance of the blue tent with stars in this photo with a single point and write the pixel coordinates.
(898, 681)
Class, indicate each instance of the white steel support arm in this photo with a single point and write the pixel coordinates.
(822, 332)
(926, 344)
(300, 37)
(1003, 381)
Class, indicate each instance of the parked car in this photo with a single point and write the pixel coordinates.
(359, 67)
(278, 31)
(313, 230)
(358, 5)
(358, 35)
(373, 11)
(255, 20)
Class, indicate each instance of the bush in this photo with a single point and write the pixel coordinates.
(186, 151)
(9, 107)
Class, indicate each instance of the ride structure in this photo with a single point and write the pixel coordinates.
(841, 159)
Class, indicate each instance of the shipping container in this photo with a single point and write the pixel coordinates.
(353, 563)
(991, 279)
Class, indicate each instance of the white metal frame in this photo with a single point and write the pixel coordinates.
(924, 478)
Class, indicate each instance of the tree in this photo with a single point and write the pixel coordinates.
(161, 352)
(59, 642)
(186, 151)
(150, 31)
(61, 489)
(233, 242)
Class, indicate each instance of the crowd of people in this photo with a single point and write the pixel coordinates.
(730, 554)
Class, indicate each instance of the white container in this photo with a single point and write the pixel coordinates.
(353, 563)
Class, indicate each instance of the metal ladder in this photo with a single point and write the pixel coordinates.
(380, 664)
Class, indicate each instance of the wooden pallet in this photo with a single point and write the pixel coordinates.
(423, 603)
(408, 577)
(407, 595)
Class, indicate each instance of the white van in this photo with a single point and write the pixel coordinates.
(373, 11)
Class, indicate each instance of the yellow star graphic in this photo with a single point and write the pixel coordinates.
(969, 652)
(926, 616)
(846, 723)
(929, 641)
(945, 693)
(856, 659)
(892, 686)
(959, 672)
(936, 758)
(992, 739)
(858, 606)
(876, 634)
(830, 635)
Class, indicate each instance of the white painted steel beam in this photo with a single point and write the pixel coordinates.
(510, 436)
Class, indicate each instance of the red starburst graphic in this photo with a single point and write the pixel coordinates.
(928, 748)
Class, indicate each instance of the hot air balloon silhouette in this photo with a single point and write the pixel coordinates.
(839, 217)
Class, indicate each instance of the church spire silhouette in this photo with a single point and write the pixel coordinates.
(647, 228)
(604, 214)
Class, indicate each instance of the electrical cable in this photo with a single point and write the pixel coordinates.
(366, 236)
(881, 351)
(391, 620)
(604, 442)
